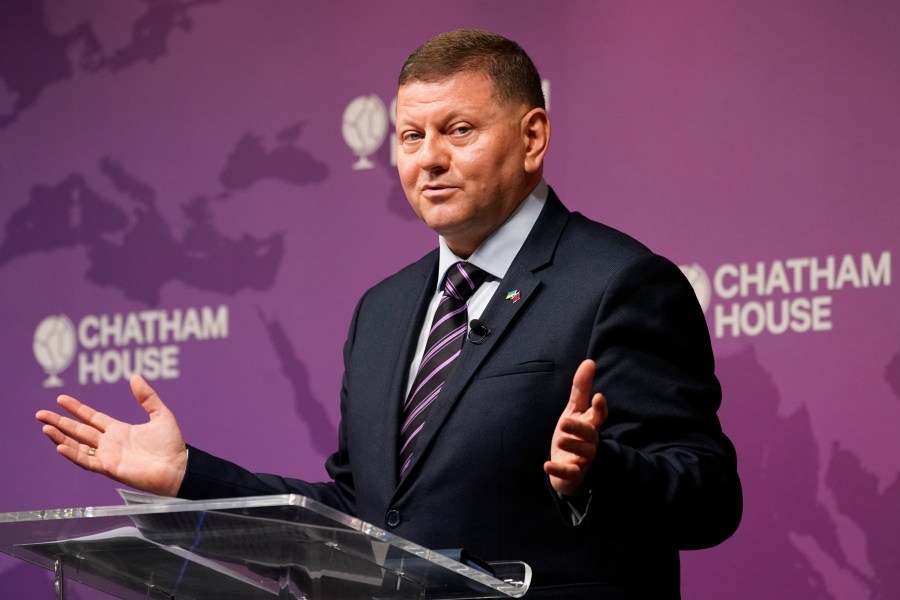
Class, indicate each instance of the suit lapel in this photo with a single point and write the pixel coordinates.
(523, 277)
(413, 296)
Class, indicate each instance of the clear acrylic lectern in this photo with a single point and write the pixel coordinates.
(285, 547)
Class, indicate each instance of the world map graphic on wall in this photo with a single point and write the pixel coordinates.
(128, 233)
(111, 210)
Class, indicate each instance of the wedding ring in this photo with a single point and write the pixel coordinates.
(92, 451)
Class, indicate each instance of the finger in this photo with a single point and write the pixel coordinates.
(596, 415)
(599, 409)
(85, 413)
(582, 451)
(47, 416)
(147, 396)
(581, 386)
(562, 471)
(78, 431)
(580, 430)
(71, 449)
(56, 436)
(81, 456)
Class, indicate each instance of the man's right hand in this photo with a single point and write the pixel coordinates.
(151, 457)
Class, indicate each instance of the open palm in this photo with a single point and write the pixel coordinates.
(149, 457)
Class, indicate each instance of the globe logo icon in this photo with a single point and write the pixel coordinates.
(699, 280)
(54, 347)
(365, 127)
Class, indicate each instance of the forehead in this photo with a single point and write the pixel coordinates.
(458, 93)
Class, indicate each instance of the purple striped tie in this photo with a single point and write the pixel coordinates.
(445, 340)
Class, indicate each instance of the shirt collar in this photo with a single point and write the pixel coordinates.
(497, 252)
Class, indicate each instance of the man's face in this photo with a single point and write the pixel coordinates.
(461, 157)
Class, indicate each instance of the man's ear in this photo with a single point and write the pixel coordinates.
(536, 137)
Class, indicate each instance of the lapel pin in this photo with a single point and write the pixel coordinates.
(513, 295)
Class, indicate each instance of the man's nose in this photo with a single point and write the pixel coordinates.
(434, 154)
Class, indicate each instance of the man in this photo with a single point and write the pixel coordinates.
(567, 307)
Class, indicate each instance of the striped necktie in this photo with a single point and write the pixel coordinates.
(445, 340)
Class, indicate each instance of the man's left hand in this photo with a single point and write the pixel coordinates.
(577, 434)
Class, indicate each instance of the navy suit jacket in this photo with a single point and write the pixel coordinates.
(664, 478)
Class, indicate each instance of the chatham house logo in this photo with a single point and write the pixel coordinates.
(54, 347)
(108, 348)
(797, 294)
(365, 127)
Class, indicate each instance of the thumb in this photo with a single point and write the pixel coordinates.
(580, 398)
(146, 395)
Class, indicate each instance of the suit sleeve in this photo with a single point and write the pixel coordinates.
(664, 466)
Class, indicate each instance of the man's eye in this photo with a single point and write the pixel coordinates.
(461, 130)
(412, 137)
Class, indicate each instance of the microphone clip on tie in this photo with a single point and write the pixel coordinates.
(477, 331)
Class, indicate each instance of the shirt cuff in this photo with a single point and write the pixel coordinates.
(577, 506)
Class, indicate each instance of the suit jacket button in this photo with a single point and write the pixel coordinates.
(392, 518)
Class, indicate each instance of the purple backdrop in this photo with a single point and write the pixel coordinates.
(178, 188)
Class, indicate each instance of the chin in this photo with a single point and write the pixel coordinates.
(442, 221)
